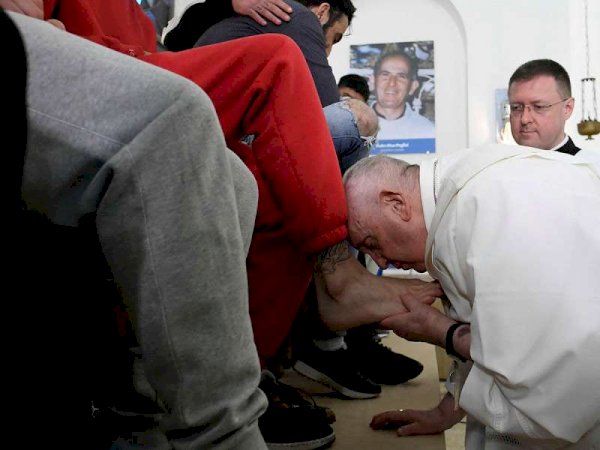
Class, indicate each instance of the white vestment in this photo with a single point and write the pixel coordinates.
(514, 239)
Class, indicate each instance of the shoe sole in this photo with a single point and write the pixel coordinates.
(313, 374)
(315, 444)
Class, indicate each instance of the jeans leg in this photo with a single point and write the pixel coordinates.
(343, 123)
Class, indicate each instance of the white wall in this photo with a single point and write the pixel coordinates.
(503, 34)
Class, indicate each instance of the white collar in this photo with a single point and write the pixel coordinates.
(428, 174)
(563, 142)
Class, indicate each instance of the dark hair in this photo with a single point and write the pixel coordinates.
(338, 9)
(357, 83)
(412, 67)
(537, 67)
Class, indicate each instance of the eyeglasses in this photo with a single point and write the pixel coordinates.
(516, 109)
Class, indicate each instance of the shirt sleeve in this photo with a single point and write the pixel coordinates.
(529, 252)
(308, 34)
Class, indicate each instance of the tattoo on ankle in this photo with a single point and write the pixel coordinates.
(328, 259)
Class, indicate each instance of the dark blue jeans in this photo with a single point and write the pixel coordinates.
(350, 146)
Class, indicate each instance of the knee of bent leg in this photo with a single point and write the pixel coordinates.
(276, 44)
(366, 119)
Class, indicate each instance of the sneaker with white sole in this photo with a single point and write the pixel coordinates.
(336, 369)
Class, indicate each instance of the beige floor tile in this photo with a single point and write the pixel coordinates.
(455, 437)
(353, 416)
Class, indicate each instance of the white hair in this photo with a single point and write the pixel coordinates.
(370, 176)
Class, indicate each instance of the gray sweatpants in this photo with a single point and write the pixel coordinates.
(175, 209)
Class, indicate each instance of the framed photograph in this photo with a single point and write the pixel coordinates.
(402, 81)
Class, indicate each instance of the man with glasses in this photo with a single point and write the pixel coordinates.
(539, 93)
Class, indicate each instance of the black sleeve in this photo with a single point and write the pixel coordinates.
(308, 34)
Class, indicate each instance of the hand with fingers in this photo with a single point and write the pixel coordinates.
(272, 10)
(408, 422)
(421, 322)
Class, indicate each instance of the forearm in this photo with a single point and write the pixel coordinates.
(449, 334)
(456, 341)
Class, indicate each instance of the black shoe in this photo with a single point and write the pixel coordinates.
(380, 363)
(337, 370)
(291, 421)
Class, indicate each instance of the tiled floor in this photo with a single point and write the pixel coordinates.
(353, 416)
(455, 437)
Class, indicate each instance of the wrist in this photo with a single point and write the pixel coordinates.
(449, 341)
(440, 329)
(448, 413)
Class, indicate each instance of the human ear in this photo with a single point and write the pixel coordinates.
(322, 11)
(397, 203)
(569, 107)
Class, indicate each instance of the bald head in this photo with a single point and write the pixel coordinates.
(370, 176)
(385, 216)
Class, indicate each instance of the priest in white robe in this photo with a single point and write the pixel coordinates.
(513, 236)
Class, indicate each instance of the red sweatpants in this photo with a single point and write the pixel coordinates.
(262, 86)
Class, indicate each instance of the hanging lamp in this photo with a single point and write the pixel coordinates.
(589, 125)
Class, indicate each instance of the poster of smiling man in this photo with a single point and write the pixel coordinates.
(402, 82)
